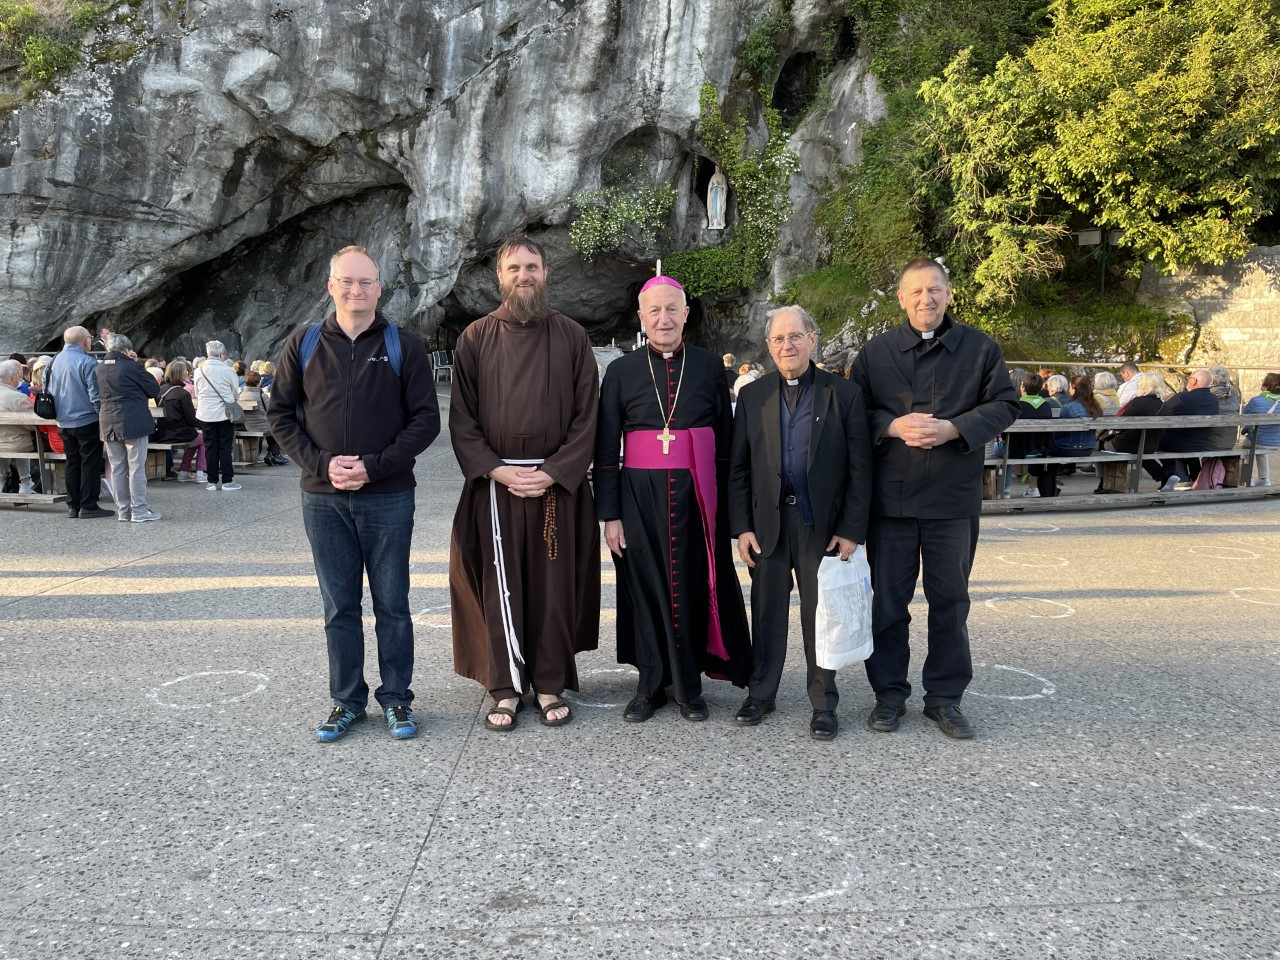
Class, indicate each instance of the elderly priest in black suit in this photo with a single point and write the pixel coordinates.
(799, 488)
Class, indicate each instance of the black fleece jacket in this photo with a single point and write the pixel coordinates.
(351, 403)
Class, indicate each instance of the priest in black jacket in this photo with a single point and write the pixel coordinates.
(937, 392)
(799, 487)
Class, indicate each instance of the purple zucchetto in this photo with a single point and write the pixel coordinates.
(661, 281)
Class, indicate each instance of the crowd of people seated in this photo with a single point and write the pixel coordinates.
(1047, 394)
(105, 404)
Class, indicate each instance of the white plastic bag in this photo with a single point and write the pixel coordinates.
(843, 629)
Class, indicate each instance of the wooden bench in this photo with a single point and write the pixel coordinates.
(54, 467)
(27, 499)
(53, 492)
(246, 452)
(1121, 473)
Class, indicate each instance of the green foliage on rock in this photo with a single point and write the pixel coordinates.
(840, 300)
(912, 40)
(760, 51)
(629, 209)
(40, 39)
(1156, 120)
(760, 181)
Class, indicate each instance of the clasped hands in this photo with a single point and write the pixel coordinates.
(523, 481)
(347, 473)
(922, 430)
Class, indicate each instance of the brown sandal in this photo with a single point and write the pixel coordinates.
(503, 712)
(556, 704)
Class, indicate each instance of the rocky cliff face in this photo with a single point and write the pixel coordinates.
(196, 187)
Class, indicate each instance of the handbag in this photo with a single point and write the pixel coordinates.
(842, 631)
(45, 406)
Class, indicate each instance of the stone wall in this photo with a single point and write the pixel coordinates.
(1234, 309)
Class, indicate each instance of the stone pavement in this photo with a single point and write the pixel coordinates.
(161, 794)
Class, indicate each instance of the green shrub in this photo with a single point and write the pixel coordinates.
(760, 51)
(42, 39)
(629, 209)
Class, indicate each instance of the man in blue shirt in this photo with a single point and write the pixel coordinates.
(74, 386)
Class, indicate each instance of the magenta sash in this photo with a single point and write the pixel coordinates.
(693, 450)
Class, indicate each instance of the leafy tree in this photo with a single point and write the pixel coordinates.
(1155, 119)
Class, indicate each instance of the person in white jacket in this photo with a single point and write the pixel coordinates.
(217, 385)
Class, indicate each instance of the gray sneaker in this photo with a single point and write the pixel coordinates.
(142, 516)
(231, 486)
(123, 515)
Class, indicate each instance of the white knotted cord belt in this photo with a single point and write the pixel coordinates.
(515, 659)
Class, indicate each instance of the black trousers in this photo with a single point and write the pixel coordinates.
(797, 554)
(896, 548)
(83, 447)
(218, 437)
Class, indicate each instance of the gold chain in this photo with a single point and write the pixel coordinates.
(666, 422)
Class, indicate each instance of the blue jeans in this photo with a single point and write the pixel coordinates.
(353, 534)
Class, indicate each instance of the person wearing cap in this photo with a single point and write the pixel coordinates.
(524, 557)
(663, 500)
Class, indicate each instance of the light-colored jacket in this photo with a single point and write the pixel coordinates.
(74, 384)
(14, 438)
(216, 386)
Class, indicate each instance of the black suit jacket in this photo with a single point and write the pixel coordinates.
(839, 461)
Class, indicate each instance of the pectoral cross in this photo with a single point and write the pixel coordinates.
(666, 436)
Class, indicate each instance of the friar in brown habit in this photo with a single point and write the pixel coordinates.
(524, 558)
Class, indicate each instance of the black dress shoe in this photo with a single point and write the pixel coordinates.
(752, 712)
(695, 709)
(950, 721)
(641, 707)
(885, 717)
(824, 725)
(90, 513)
(73, 513)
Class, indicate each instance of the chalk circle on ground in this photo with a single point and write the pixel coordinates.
(1220, 552)
(1030, 526)
(224, 689)
(424, 617)
(1047, 687)
(1034, 607)
(581, 701)
(1032, 560)
(1192, 824)
(1268, 596)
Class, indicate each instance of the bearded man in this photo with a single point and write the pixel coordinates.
(524, 558)
(680, 611)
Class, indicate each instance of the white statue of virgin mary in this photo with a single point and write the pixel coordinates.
(717, 199)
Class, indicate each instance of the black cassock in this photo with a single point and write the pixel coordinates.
(663, 583)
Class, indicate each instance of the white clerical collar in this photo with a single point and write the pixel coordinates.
(927, 334)
(668, 356)
(792, 383)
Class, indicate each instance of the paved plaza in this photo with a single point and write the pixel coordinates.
(161, 793)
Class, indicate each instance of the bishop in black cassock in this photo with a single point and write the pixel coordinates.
(671, 625)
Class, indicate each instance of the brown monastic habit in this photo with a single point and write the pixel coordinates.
(524, 392)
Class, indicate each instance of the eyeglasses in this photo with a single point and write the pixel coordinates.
(791, 338)
(346, 283)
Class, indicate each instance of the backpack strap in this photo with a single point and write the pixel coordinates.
(310, 340)
(391, 338)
